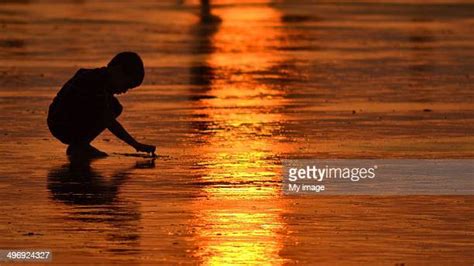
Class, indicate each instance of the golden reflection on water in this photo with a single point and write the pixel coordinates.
(239, 210)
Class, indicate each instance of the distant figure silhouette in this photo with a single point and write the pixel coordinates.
(85, 106)
(206, 15)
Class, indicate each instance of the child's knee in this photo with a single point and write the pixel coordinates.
(59, 132)
(118, 111)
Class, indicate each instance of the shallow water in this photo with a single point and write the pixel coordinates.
(225, 103)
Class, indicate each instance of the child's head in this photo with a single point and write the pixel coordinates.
(125, 71)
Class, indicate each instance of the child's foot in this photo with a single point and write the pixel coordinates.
(85, 151)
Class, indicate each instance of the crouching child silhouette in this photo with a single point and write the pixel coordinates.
(85, 106)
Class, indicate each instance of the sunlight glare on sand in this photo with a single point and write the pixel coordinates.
(242, 144)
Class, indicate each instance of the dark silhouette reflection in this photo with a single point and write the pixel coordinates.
(78, 183)
(202, 73)
(421, 47)
(96, 202)
(12, 43)
(421, 40)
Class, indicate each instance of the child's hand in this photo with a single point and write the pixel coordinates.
(145, 148)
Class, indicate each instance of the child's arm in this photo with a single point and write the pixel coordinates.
(118, 130)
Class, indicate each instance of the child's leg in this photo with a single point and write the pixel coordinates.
(81, 130)
(80, 137)
(76, 133)
(85, 132)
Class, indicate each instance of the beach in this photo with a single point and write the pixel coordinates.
(225, 103)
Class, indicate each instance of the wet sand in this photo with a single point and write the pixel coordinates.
(225, 103)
